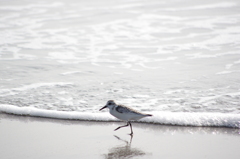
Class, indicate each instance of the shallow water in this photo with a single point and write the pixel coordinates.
(51, 138)
(175, 56)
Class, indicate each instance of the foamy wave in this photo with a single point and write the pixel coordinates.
(35, 112)
(195, 119)
(12, 91)
(167, 118)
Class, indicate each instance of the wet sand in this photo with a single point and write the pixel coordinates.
(30, 137)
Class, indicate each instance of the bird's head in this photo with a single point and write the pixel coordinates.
(110, 104)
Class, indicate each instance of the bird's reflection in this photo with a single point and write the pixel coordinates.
(125, 151)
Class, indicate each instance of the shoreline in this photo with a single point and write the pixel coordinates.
(35, 137)
(195, 119)
(49, 119)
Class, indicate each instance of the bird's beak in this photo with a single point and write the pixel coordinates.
(103, 108)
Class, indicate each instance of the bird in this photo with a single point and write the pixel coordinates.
(124, 113)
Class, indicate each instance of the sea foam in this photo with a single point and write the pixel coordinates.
(166, 118)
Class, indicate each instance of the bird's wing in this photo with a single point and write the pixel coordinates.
(124, 109)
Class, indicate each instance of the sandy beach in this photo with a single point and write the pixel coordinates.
(30, 137)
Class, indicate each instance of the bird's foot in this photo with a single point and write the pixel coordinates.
(116, 129)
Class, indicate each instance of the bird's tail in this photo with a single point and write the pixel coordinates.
(149, 115)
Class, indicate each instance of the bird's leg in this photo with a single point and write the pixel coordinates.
(121, 126)
(131, 128)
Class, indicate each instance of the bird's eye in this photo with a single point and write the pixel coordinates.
(109, 103)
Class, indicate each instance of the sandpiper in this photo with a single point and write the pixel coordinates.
(124, 113)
